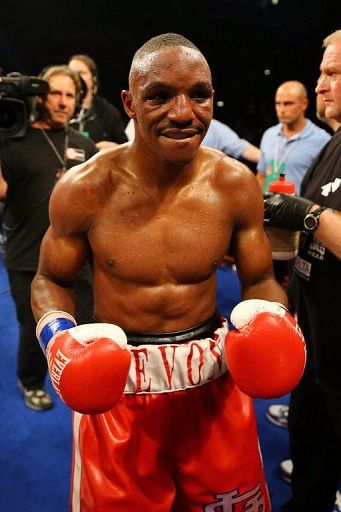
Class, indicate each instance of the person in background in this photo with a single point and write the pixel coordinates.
(278, 413)
(160, 423)
(314, 421)
(221, 136)
(30, 167)
(290, 146)
(96, 118)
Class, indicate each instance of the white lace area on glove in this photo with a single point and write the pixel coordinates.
(245, 311)
(87, 333)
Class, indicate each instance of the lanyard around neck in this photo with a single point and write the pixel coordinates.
(54, 149)
(284, 155)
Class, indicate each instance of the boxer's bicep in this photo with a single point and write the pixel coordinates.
(62, 256)
(251, 247)
(60, 259)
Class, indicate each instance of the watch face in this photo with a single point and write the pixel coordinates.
(310, 222)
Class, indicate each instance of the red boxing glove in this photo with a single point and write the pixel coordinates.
(88, 364)
(266, 353)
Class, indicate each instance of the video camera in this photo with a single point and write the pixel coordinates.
(15, 90)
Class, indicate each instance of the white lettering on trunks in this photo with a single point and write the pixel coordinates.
(252, 501)
(166, 368)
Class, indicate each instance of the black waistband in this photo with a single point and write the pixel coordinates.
(203, 330)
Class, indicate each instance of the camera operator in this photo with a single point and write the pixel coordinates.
(30, 167)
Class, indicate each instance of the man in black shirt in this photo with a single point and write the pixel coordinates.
(315, 405)
(30, 167)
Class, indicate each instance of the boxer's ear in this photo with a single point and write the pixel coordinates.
(128, 103)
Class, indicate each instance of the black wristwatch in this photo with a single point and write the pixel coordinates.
(311, 220)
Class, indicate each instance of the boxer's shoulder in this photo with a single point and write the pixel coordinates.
(230, 176)
(225, 168)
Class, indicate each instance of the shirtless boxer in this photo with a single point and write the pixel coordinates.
(161, 424)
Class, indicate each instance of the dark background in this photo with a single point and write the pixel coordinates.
(240, 39)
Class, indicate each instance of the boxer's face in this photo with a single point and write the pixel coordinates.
(171, 98)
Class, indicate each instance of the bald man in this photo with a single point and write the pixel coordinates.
(291, 145)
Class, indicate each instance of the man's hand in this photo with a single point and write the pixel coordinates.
(285, 211)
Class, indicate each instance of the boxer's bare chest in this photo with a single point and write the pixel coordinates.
(153, 238)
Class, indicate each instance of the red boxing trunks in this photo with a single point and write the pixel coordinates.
(183, 438)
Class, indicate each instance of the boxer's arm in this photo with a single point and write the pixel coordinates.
(251, 248)
(88, 364)
(64, 248)
(265, 353)
(61, 257)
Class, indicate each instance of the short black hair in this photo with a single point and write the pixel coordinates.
(168, 39)
(158, 42)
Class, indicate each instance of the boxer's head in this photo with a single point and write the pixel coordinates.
(170, 96)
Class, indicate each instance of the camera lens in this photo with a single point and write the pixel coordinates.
(13, 117)
(8, 116)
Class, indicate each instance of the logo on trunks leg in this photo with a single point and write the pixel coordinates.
(252, 501)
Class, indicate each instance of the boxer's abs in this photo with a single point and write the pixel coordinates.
(159, 308)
